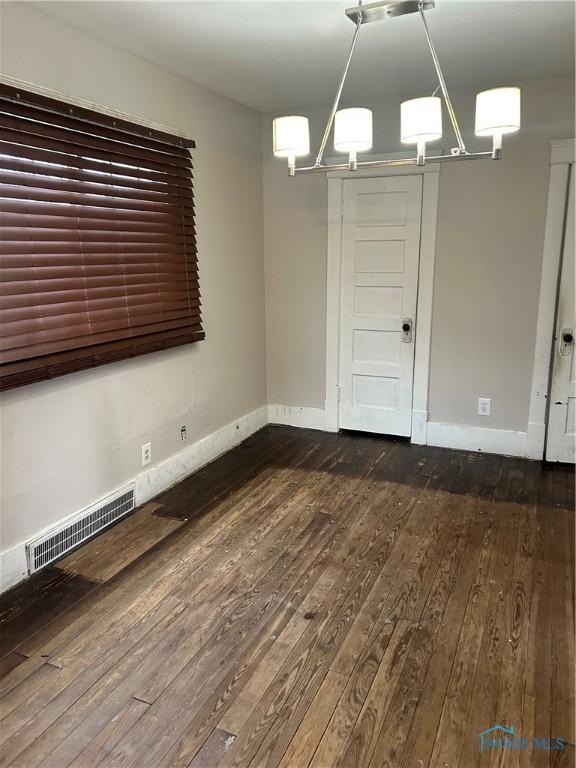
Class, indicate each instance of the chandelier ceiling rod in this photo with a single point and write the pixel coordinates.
(443, 87)
(330, 121)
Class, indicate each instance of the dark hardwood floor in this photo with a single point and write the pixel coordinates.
(306, 600)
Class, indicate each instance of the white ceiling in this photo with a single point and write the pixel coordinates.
(278, 54)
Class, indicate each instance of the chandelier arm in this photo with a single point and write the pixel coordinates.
(400, 162)
(447, 100)
(328, 128)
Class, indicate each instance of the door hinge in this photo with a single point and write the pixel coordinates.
(338, 393)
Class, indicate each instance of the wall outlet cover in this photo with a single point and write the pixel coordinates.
(146, 454)
(484, 406)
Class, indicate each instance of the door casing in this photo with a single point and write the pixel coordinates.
(562, 156)
(423, 329)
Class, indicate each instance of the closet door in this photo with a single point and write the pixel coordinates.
(380, 256)
(561, 440)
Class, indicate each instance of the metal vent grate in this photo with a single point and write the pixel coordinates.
(55, 543)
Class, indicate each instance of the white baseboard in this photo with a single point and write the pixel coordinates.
(157, 478)
(506, 442)
(457, 436)
(169, 472)
(295, 416)
(13, 566)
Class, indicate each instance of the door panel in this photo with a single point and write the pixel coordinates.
(380, 254)
(561, 440)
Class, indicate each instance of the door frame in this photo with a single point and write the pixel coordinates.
(423, 332)
(561, 158)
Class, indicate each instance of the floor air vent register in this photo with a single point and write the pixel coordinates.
(57, 541)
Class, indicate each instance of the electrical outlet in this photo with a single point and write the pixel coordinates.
(484, 406)
(146, 454)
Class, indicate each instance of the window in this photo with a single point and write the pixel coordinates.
(98, 256)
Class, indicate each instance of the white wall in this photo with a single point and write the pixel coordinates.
(489, 251)
(67, 442)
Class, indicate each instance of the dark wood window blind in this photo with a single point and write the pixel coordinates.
(98, 257)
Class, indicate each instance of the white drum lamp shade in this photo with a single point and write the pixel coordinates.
(291, 136)
(421, 120)
(353, 130)
(497, 111)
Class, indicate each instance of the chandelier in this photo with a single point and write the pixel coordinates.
(497, 112)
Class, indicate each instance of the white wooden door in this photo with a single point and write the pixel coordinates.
(379, 287)
(561, 440)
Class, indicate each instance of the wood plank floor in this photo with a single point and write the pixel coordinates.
(306, 600)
